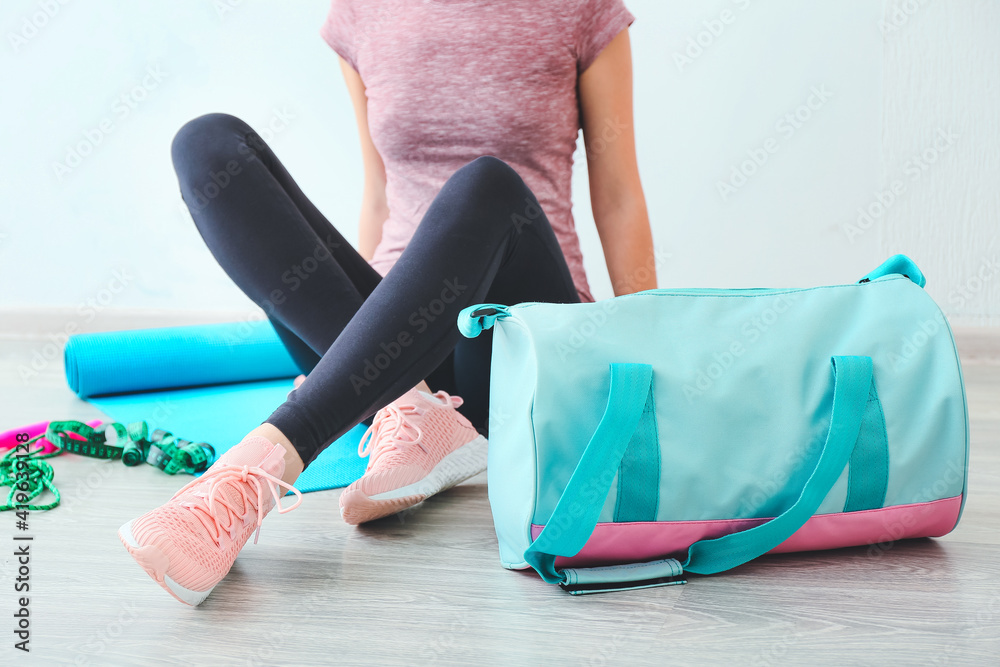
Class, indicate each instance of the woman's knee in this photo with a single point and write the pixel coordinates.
(494, 189)
(207, 143)
(488, 172)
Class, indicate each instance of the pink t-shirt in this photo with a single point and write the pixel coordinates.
(450, 80)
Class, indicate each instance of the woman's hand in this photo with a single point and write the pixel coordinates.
(615, 190)
(296, 383)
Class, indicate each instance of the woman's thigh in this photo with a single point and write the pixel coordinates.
(268, 236)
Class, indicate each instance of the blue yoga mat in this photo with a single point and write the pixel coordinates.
(210, 383)
(150, 359)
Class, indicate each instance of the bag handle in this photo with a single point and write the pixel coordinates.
(900, 264)
(576, 513)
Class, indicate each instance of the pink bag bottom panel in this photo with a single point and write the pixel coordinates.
(629, 542)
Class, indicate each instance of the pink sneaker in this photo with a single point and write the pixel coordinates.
(189, 544)
(418, 445)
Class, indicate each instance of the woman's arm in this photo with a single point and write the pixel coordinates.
(374, 209)
(615, 190)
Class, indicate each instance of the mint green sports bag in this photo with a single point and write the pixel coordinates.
(643, 437)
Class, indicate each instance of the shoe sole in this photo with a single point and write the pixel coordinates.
(465, 462)
(156, 563)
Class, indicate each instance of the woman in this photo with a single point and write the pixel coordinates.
(468, 113)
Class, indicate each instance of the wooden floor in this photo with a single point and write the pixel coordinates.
(426, 587)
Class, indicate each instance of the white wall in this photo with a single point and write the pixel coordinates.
(64, 234)
(705, 112)
(942, 79)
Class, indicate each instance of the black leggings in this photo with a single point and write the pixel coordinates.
(364, 340)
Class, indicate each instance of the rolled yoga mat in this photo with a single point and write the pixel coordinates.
(147, 359)
(210, 383)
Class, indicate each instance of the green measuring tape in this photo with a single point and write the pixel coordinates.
(133, 444)
(29, 475)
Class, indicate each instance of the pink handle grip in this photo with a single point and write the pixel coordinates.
(8, 439)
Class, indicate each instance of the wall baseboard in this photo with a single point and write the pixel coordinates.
(975, 344)
(979, 345)
(58, 323)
